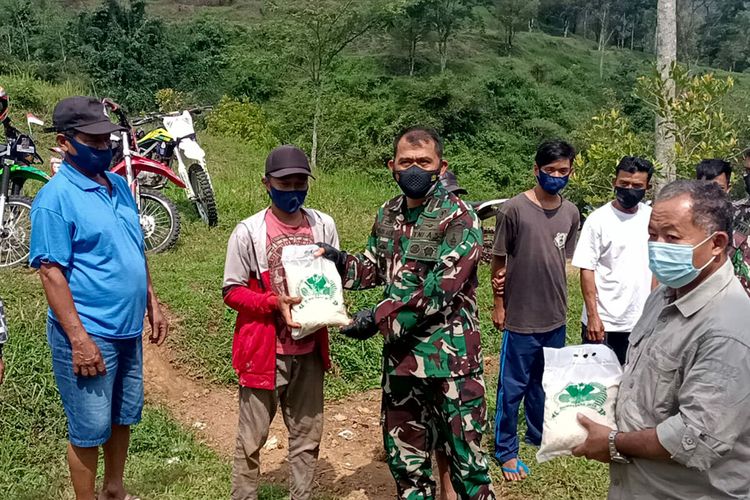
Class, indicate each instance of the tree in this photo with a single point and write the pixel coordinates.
(447, 18)
(514, 15)
(698, 124)
(666, 58)
(123, 52)
(409, 26)
(310, 36)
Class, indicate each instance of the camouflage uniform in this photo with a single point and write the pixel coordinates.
(740, 250)
(433, 390)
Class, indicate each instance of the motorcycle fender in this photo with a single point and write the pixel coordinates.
(192, 150)
(29, 173)
(143, 164)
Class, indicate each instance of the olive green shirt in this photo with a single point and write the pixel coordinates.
(688, 376)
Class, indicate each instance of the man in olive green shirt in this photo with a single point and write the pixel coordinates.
(683, 410)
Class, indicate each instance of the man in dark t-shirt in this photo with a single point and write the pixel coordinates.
(536, 233)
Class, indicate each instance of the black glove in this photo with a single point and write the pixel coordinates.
(338, 257)
(362, 326)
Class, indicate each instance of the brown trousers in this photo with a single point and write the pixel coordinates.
(299, 391)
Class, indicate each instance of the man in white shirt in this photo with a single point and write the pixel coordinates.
(612, 254)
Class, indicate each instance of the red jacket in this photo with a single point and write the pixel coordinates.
(248, 291)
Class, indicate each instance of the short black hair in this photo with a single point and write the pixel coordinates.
(708, 170)
(712, 209)
(633, 164)
(418, 135)
(552, 151)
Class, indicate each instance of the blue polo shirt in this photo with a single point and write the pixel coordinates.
(96, 237)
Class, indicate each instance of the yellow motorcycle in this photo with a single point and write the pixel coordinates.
(175, 143)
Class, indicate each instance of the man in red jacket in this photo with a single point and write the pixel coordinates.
(272, 367)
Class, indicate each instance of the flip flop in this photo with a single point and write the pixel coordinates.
(520, 466)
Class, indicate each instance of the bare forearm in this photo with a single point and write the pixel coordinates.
(60, 300)
(641, 444)
(588, 288)
(151, 297)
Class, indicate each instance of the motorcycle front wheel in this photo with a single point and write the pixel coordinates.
(205, 200)
(15, 231)
(160, 221)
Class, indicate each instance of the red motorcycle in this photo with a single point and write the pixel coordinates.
(159, 218)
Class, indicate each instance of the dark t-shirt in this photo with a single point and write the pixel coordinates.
(536, 242)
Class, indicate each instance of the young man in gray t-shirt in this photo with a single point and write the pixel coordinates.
(535, 236)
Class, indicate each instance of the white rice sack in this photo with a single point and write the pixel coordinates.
(577, 379)
(317, 282)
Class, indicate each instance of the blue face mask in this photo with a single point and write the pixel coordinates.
(672, 263)
(288, 201)
(92, 160)
(551, 184)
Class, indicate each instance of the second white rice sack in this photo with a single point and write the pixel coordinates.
(317, 282)
(577, 379)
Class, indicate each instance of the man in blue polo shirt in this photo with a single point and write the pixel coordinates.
(87, 243)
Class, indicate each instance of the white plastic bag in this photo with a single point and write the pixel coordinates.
(317, 282)
(577, 379)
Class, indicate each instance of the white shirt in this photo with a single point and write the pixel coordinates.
(614, 245)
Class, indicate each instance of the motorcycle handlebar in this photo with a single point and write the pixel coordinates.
(159, 116)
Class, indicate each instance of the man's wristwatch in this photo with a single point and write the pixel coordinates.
(615, 455)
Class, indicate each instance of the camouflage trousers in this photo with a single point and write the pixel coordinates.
(422, 414)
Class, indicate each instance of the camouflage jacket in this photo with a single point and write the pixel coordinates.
(427, 259)
(740, 250)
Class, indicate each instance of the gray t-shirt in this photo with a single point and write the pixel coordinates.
(536, 243)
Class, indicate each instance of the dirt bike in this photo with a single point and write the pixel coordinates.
(159, 217)
(176, 142)
(17, 159)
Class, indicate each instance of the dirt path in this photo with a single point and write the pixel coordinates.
(351, 458)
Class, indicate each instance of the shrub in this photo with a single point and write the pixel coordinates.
(243, 119)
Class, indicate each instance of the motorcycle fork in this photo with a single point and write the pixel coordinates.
(183, 173)
(129, 174)
(4, 185)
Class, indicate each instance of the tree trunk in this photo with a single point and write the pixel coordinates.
(443, 49)
(585, 23)
(602, 41)
(565, 32)
(666, 56)
(412, 56)
(632, 34)
(316, 122)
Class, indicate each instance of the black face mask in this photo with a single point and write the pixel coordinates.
(629, 198)
(416, 182)
(747, 183)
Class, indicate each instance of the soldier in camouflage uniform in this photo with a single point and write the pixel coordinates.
(425, 247)
(720, 172)
(740, 250)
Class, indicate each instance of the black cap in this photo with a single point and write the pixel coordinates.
(287, 160)
(450, 183)
(82, 114)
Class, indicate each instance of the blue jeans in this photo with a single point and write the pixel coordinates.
(94, 404)
(520, 377)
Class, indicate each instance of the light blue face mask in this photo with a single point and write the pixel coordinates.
(672, 263)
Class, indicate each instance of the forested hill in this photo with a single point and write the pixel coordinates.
(340, 77)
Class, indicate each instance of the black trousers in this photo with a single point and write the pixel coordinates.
(617, 341)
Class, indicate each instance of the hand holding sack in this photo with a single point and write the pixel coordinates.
(317, 282)
(581, 379)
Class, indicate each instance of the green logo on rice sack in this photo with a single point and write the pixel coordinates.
(318, 286)
(592, 395)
